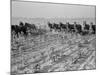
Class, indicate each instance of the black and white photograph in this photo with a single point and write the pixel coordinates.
(52, 37)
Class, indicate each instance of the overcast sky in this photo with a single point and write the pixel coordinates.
(34, 10)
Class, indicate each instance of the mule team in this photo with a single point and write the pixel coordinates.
(84, 29)
(22, 28)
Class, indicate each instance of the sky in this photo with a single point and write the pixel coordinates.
(51, 10)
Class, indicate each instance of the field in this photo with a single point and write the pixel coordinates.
(52, 52)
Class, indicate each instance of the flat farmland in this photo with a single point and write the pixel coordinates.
(53, 52)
